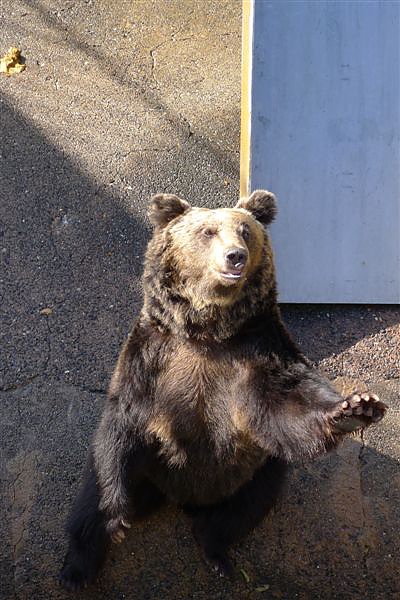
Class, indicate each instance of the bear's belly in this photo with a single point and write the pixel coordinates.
(206, 448)
(204, 477)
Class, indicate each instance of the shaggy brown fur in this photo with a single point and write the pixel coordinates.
(210, 398)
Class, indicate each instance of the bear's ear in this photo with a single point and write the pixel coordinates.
(261, 204)
(165, 207)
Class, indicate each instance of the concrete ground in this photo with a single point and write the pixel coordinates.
(120, 100)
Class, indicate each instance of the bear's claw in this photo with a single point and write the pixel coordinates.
(116, 529)
(359, 411)
(220, 564)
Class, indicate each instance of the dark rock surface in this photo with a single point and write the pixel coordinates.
(120, 100)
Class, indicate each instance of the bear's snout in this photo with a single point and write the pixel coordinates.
(236, 258)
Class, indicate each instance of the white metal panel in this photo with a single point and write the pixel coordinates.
(325, 133)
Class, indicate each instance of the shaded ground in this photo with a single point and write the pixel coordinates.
(120, 100)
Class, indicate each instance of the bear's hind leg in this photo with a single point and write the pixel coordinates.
(219, 526)
(88, 538)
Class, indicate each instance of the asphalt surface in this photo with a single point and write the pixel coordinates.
(120, 100)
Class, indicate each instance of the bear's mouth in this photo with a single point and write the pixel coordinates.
(232, 275)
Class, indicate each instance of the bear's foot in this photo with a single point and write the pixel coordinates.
(77, 572)
(214, 552)
(358, 411)
(220, 563)
(116, 529)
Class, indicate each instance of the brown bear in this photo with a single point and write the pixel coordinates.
(210, 399)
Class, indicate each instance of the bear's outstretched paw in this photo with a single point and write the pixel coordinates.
(116, 529)
(359, 411)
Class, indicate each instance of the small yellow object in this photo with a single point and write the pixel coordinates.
(46, 311)
(10, 63)
(262, 588)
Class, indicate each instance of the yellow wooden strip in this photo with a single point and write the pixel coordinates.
(245, 118)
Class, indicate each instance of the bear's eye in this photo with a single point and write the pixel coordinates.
(209, 232)
(245, 231)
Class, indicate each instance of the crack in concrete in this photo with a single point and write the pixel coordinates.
(188, 124)
(174, 39)
(153, 52)
(20, 385)
(17, 542)
(53, 242)
(16, 386)
(93, 390)
(153, 62)
(48, 342)
(13, 483)
(150, 149)
(21, 518)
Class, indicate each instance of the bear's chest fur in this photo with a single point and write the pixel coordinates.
(202, 426)
(200, 393)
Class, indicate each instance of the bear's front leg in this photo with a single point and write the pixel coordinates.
(358, 411)
(308, 416)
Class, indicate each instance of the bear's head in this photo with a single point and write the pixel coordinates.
(203, 258)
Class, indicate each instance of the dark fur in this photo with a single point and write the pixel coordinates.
(261, 204)
(205, 408)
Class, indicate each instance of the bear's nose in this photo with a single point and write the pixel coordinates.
(236, 257)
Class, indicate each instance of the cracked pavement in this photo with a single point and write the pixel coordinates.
(118, 101)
